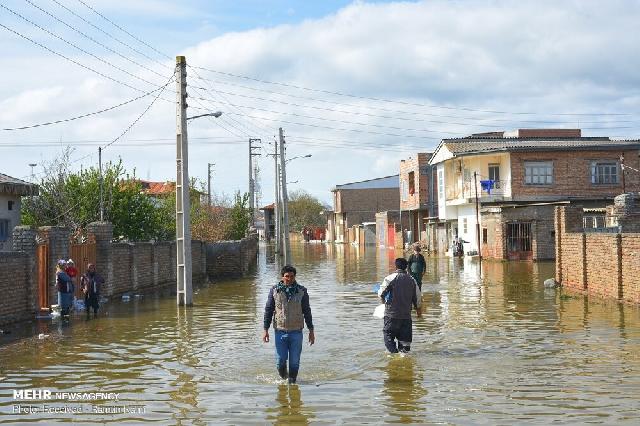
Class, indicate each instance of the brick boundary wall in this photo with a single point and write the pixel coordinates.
(602, 264)
(126, 267)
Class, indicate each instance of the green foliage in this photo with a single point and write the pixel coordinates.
(304, 211)
(72, 199)
(240, 217)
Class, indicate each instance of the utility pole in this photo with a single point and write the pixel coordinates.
(277, 201)
(251, 181)
(624, 186)
(285, 201)
(475, 181)
(209, 181)
(184, 291)
(101, 184)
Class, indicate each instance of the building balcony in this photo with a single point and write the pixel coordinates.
(464, 191)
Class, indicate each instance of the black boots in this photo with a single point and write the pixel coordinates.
(293, 375)
(282, 370)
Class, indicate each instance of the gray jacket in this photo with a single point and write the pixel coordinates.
(400, 291)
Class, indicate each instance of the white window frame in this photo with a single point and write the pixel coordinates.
(601, 173)
(441, 184)
(538, 172)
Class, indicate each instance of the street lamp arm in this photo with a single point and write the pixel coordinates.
(299, 156)
(210, 114)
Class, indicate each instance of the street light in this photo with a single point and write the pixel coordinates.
(209, 114)
(299, 156)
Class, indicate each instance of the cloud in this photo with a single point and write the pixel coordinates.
(450, 68)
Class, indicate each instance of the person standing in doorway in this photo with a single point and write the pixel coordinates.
(417, 265)
(289, 309)
(91, 285)
(65, 288)
(399, 292)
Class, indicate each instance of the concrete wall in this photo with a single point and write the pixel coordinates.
(604, 264)
(18, 295)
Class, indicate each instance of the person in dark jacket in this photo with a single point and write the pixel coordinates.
(288, 307)
(65, 288)
(417, 265)
(91, 285)
(399, 292)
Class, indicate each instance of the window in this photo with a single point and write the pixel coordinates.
(494, 172)
(464, 226)
(4, 229)
(538, 172)
(519, 237)
(412, 183)
(10, 204)
(404, 190)
(441, 184)
(484, 236)
(603, 173)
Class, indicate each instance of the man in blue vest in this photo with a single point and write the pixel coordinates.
(399, 292)
(288, 307)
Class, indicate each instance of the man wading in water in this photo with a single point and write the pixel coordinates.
(288, 305)
(399, 291)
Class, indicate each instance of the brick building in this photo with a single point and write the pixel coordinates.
(418, 198)
(358, 202)
(269, 221)
(517, 178)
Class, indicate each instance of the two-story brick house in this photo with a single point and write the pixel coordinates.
(518, 178)
(358, 202)
(418, 198)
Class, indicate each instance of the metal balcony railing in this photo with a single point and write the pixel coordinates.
(465, 189)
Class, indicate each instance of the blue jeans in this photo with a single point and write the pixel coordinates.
(289, 346)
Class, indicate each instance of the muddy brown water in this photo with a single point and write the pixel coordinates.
(492, 348)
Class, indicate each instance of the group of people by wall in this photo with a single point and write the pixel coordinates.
(90, 285)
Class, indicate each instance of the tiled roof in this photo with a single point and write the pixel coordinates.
(271, 206)
(462, 146)
(11, 185)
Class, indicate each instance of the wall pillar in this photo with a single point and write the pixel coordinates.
(103, 234)
(24, 240)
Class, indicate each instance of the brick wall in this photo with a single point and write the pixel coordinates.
(368, 200)
(571, 174)
(227, 259)
(420, 198)
(605, 265)
(16, 287)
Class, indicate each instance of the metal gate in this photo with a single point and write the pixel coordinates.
(519, 241)
(42, 254)
(82, 254)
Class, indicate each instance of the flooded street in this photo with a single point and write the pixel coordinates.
(496, 349)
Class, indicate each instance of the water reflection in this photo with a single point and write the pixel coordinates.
(289, 408)
(404, 391)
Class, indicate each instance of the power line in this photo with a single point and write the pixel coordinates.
(94, 40)
(77, 47)
(49, 123)
(329, 92)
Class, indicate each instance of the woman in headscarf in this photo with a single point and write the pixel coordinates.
(65, 288)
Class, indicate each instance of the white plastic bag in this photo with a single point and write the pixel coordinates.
(379, 311)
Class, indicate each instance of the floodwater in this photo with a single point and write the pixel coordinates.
(496, 348)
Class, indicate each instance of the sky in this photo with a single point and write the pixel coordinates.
(357, 85)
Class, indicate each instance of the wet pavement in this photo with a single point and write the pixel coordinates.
(492, 348)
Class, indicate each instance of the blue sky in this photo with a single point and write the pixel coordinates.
(358, 85)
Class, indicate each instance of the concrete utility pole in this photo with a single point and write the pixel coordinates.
(209, 182)
(277, 201)
(251, 181)
(101, 184)
(285, 201)
(184, 293)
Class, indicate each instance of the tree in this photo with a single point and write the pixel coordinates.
(240, 217)
(72, 199)
(304, 211)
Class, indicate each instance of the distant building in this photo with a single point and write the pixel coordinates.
(518, 177)
(11, 191)
(418, 199)
(269, 221)
(358, 202)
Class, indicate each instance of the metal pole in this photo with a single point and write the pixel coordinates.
(184, 291)
(285, 201)
(277, 202)
(209, 181)
(101, 184)
(475, 180)
(624, 186)
(250, 182)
